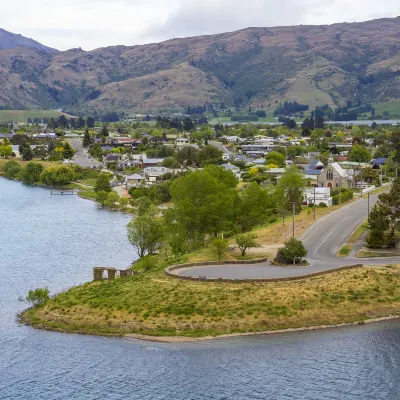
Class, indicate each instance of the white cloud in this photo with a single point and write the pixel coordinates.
(97, 23)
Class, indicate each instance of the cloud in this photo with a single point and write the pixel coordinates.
(97, 23)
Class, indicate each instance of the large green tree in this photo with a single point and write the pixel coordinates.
(146, 234)
(203, 205)
(31, 172)
(209, 155)
(103, 183)
(289, 190)
(360, 154)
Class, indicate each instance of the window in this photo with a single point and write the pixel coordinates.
(329, 175)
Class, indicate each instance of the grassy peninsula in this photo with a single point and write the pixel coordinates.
(156, 305)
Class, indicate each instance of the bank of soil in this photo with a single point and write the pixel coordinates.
(154, 305)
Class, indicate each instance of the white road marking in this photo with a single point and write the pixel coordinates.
(321, 244)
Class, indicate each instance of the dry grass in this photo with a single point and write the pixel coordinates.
(154, 304)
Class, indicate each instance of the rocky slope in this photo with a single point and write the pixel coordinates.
(252, 67)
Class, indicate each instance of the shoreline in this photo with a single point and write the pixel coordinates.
(187, 339)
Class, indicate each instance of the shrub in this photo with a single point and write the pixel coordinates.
(376, 239)
(293, 252)
(57, 175)
(38, 296)
(322, 205)
(11, 169)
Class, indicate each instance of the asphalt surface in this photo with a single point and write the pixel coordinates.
(81, 157)
(322, 240)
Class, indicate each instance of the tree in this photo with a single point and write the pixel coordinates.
(378, 223)
(112, 199)
(277, 158)
(31, 172)
(203, 204)
(90, 122)
(142, 205)
(104, 131)
(86, 139)
(41, 152)
(360, 154)
(11, 169)
(68, 151)
(27, 153)
(218, 246)
(244, 241)
(171, 162)
(103, 183)
(96, 151)
(209, 155)
(254, 207)
(101, 197)
(187, 155)
(6, 151)
(58, 175)
(289, 189)
(294, 251)
(146, 234)
(38, 296)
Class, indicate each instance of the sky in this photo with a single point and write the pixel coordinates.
(91, 24)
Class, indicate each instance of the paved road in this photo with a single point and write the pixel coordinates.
(81, 157)
(221, 147)
(322, 240)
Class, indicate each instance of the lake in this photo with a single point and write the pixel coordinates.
(55, 241)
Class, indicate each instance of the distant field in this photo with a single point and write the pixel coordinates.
(392, 107)
(23, 115)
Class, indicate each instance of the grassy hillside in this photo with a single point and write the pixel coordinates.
(255, 67)
(23, 115)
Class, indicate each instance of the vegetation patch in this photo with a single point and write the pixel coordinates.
(153, 304)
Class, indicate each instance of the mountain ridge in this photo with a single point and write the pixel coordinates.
(253, 67)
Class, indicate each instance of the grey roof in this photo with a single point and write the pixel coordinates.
(229, 166)
(135, 176)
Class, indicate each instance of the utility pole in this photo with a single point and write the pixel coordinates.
(368, 209)
(314, 203)
(294, 211)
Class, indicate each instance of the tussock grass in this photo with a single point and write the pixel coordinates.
(154, 304)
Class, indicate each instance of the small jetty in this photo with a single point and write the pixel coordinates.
(64, 192)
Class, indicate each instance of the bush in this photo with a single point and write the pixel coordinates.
(11, 169)
(376, 239)
(293, 253)
(322, 205)
(31, 172)
(346, 195)
(57, 175)
(38, 296)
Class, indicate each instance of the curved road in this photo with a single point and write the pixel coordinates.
(322, 240)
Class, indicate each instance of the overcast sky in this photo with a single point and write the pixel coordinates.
(97, 23)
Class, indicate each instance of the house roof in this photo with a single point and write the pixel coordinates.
(312, 171)
(230, 166)
(336, 166)
(315, 163)
(135, 176)
(112, 157)
(276, 170)
(379, 161)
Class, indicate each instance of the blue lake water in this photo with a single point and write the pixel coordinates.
(55, 241)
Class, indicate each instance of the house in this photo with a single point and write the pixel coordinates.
(317, 196)
(154, 174)
(233, 139)
(334, 176)
(278, 172)
(134, 180)
(257, 147)
(111, 160)
(182, 142)
(152, 162)
(378, 163)
(123, 164)
(233, 168)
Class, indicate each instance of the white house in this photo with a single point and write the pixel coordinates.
(182, 142)
(319, 195)
(233, 168)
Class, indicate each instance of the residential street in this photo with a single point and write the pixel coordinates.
(81, 157)
(322, 240)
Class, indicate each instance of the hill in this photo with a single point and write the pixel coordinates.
(257, 67)
(10, 40)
